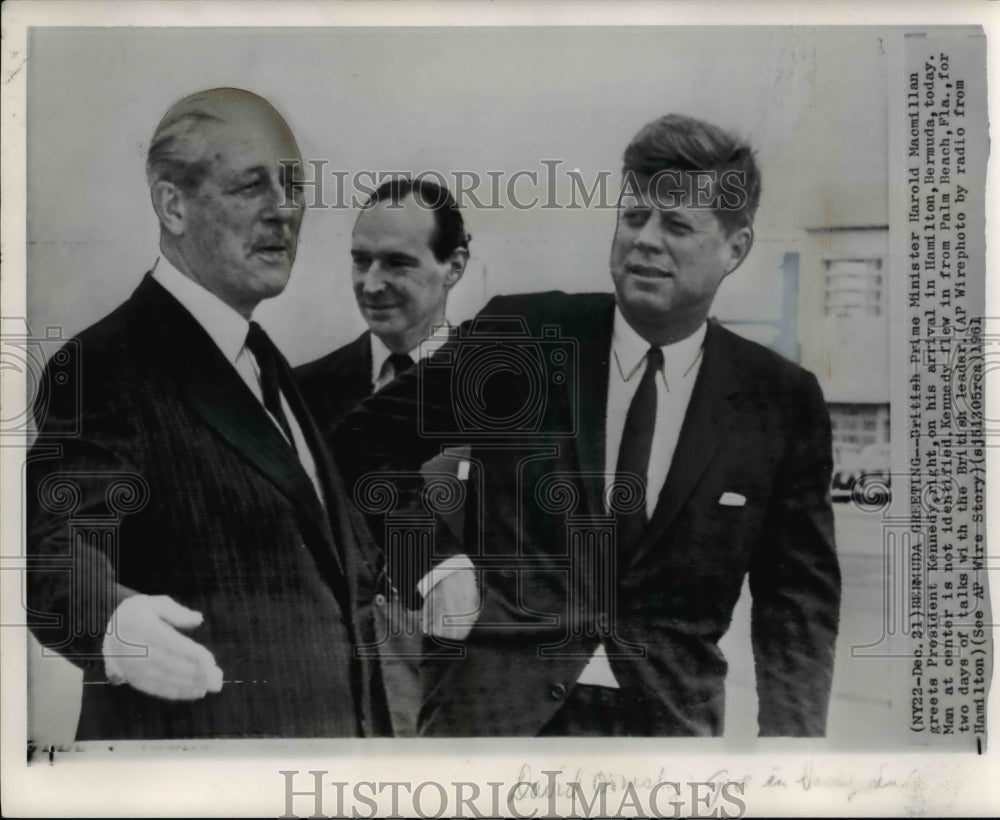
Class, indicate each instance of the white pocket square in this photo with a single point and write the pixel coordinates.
(732, 500)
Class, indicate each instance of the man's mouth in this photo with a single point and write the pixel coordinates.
(647, 272)
(272, 251)
(380, 305)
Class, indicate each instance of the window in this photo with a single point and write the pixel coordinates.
(859, 425)
(852, 287)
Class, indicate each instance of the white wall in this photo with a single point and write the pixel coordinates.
(849, 355)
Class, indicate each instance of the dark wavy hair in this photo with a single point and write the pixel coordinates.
(676, 142)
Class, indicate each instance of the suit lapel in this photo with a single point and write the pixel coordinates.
(337, 383)
(593, 336)
(714, 404)
(217, 393)
(248, 429)
(329, 478)
(356, 383)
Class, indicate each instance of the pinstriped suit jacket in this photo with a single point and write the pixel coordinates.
(217, 512)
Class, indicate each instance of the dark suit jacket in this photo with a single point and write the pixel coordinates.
(337, 383)
(756, 426)
(158, 471)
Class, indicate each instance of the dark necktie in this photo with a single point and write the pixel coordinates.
(268, 361)
(401, 362)
(637, 441)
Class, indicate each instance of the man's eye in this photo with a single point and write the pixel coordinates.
(635, 216)
(678, 228)
(361, 262)
(250, 188)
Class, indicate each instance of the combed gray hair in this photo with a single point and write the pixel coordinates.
(175, 151)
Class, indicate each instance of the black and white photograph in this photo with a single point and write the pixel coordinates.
(519, 412)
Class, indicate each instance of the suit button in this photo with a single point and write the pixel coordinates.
(557, 691)
(380, 600)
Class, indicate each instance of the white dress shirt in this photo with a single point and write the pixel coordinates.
(229, 332)
(681, 363)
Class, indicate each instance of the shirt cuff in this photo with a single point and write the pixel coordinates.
(598, 670)
(447, 567)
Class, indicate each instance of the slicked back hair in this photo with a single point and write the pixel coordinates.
(449, 226)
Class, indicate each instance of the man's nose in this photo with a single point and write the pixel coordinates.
(373, 280)
(650, 238)
(281, 204)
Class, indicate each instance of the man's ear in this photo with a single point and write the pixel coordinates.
(456, 266)
(738, 244)
(168, 202)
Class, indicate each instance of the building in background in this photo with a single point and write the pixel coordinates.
(843, 311)
(830, 316)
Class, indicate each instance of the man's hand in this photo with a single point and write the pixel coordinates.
(173, 667)
(451, 606)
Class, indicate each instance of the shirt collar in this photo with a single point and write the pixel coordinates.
(427, 347)
(630, 348)
(223, 324)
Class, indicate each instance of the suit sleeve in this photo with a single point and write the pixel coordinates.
(795, 579)
(77, 491)
(388, 429)
(417, 415)
(380, 447)
(440, 403)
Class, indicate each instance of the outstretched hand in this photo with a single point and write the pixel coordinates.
(173, 666)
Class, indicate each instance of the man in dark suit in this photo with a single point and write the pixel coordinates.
(190, 542)
(638, 462)
(409, 248)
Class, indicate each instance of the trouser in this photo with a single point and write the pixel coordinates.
(589, 711)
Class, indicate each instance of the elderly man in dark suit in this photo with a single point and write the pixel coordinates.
(190, 543)
(638, 462)
(409, 248)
